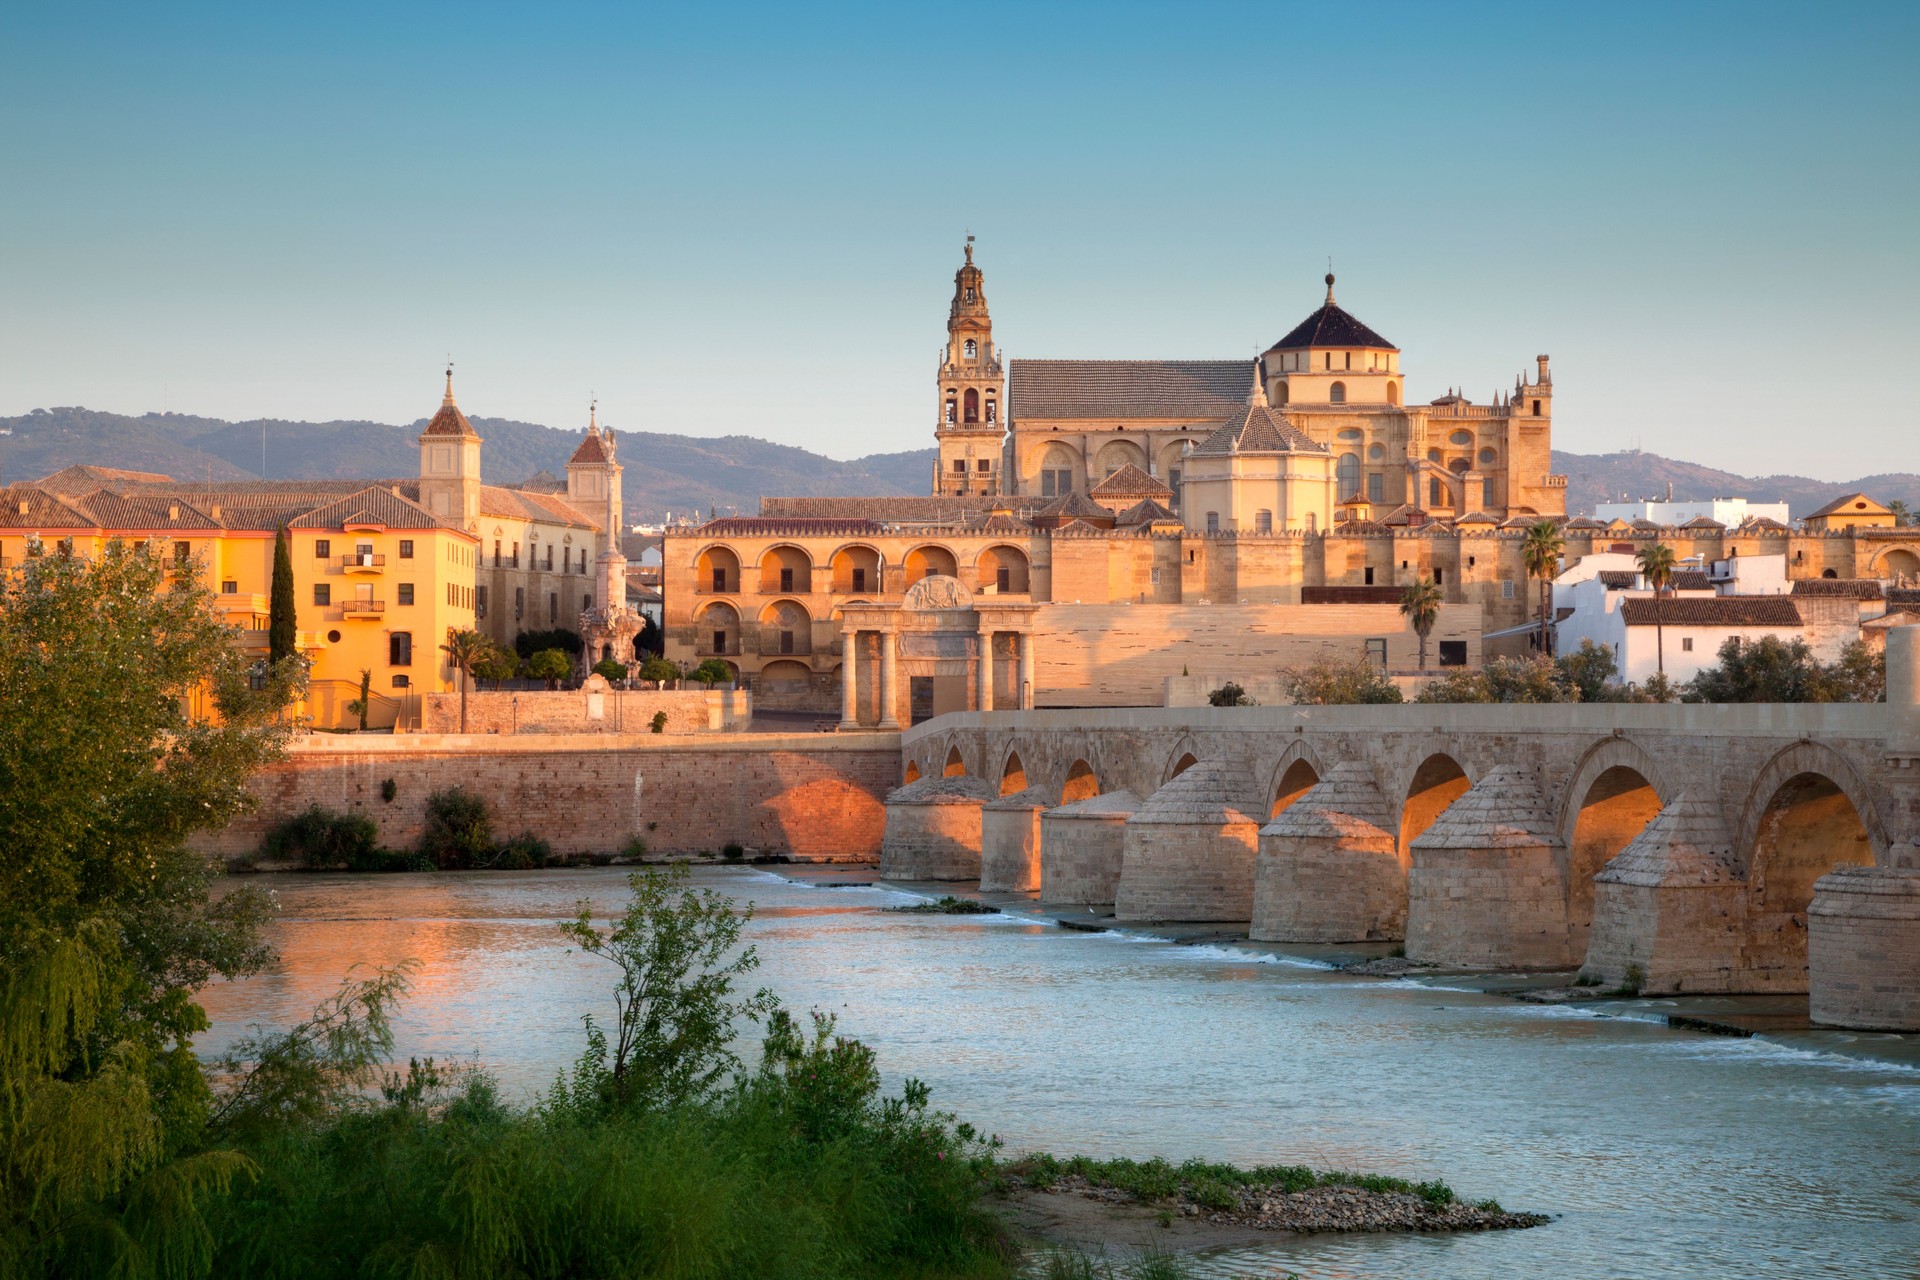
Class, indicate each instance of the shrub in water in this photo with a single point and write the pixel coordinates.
(324, 839)
(524, 852)
(459, 831)
(635, 848)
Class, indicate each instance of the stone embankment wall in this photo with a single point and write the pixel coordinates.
(581, 711)
(811, 797)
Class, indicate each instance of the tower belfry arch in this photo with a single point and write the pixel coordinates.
(969, 393)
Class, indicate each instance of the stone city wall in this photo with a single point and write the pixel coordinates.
(616, 711)
(811, 797)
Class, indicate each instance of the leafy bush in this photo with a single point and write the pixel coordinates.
(659, 722)
(323, 838)
(1230, 694)
(609, 669)
(524, 852)
(1772, 670)
(550, 665)
(635, 848)
(388, 790)
(459, 830)
(659, 670)
(528, 643)
(497, 665)
(1330, 682)
(711, 672)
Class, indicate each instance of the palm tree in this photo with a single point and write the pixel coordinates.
(1656, 566)
(1541, 555)
(465, 649)
(1420, 605)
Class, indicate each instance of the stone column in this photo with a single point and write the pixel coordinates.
(986, 671)
(1024, 695)
(849, 680)
(889, 691)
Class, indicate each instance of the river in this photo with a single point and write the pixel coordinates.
(1661, 1152)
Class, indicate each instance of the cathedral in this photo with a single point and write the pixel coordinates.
(1314, 431)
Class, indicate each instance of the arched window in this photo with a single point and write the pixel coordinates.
(1337, 393)
(1263, 522)
(1213, 522)
(950, 408)
(973, 405)
(972, 348)
(1393, 393)
(1283, 391)
(1347, 472)
(993, 413)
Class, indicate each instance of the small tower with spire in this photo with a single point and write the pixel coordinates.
(450, 464)
(969, 392)
(593, 476)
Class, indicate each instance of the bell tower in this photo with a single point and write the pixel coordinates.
(968, 393)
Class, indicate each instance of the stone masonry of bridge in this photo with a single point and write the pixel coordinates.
(808, 796)
(1684, 848)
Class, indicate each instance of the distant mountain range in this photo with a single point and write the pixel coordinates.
(687, 475)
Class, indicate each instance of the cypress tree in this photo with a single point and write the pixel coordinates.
(280, 617)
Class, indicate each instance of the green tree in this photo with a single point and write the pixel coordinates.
(1420, 606)
(678, 955)
(1657, 564)
(282, 622)
(1589, 671)
(711, 672)
(550, 665)
(1330, 682)
(364, 703)
(1903, 514)
(465, 649)
(1229, 694)
(1774, 670)
(127, 722)
(497, 665)
(659, 669)
(610, 669)
(1540, 554)
(1861, 673)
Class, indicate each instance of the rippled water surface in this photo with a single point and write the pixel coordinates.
(1663, 1153)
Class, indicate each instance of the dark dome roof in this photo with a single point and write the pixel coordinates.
(1331, 327)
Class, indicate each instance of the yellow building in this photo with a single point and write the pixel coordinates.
(1854, 511)
(377, 579)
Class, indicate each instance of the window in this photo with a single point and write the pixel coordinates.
(400, 649)
(406, 548)
(553, 608)
(586, 602)
(972, 401)
(322, 595)
(1487, 494)
(229, 587)
(322, 549)
(970, 294)
(786, 579)
(550, 556)
(1347, 473)
(719, 579)
(859, 579)
(519, 603)
(972, 348)
(1349, 356)
(1506, 588)
(1377, 653)
(1369, 577)
(1471, 561)
(1213, 522)
(514, 561)
(992, 415)
(1686, 644)
(402, 681)
(1439, 576)
(333, 637)
(1003, 580)
(950, 411)
(1337, 393)
(786, 637)
(1153, 576)
(719, 642)
(479, 602)
(496, 553)
(985, 465)
(1536, 408)
(1453, 653)
(1263, 522)
(406, 592)
(182, 553)
(1376, 487)
(1433, 492)
(960, 466)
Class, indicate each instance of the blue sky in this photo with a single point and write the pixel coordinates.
(745, 219)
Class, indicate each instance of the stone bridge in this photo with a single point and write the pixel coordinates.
(1679, 848)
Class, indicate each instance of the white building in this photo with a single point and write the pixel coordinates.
(1731, 512)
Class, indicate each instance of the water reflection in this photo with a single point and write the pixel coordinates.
(1665, 1153)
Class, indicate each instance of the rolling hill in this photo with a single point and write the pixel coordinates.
(688, 475)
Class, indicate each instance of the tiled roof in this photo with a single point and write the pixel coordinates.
(1703, 522)
(1080, 526)
(1073, 505)
(142, 511)
(1845, 502)
(82, 478)
(1255, 428)
(1000, 522)
(372, 505)
(1147, 511)
(522, 504)
(30, 507)
(1764, 524)
(1711, 611)
(1331, 327)
(1130, 481)
(542, 481)
(1476, 517)
(449, 421)
(591, 449)
(1584, 522)
(1191, 389)
(762, 526)
(1683, 580)
(889, 508)
(1848, 588)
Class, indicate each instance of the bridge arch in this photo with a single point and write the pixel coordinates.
(912, 772)
(1806, 814)
(1013, 773)
(1616, 790)
(1081, 783)
(1184, 756)
(1297, 770)
(1433, 784)
(956, 764)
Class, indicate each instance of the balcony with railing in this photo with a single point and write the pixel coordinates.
(363, 562)
(363, 608)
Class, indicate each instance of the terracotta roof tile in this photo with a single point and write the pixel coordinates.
(84, 478)
(1715, 611)
(904, 509)
(30, 507)
(1147, 511)
(1850, 588)
(1190, 389)
(373, 505)
(762, 526)
(1255, 428)
(143, 511)
(1130, 481)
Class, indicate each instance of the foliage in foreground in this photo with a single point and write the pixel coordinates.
(1330, 682)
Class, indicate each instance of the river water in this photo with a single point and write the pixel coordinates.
(1661, 1152)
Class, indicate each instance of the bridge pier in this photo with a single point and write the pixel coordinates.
(1328, 868)
(1863, 949)
(933, 829)
(1010, 842)
(1671, 905)
(1189, 851)
(1081, 849)
(1486, 889)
